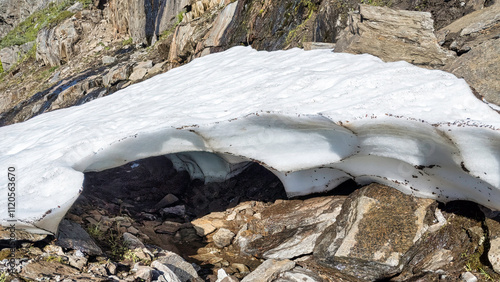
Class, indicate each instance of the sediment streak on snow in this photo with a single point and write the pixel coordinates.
(313, 118)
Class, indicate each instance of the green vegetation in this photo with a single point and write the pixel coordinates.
(380, 3)
(3, 277)
(126, 42)
(54, 259)
(311, 8)
(131, 256)
(95, 232)
(1, 67)
(47, 17)
(166, 33)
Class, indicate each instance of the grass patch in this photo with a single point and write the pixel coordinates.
(50, 16)
(311, 8)
(3, 277)
(168, 32)
(379, 3)
(1, 67)
(54, 259)
(127, 42)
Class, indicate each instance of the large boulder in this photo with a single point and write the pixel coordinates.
(376, 227)
(393, 36)
(9, 56)
(480, 67)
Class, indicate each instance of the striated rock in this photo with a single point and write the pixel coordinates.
(480, 68)
(223, 237)
(269, 270)
(5, 234)
(56, 46)
(449, 248)
(299, 274)
(471, 30)
(393, 35)
(376, 227)
(214, 36)
(289, 229)
(72, 236)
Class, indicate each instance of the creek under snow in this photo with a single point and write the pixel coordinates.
(313, 118)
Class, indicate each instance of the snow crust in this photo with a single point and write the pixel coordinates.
(314, 118)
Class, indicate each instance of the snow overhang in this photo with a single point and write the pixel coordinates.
(313, 118)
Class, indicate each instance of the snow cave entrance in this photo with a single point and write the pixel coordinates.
(146, 193)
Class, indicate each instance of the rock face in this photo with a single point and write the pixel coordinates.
(58, 45)
(393, 36)
(144, 20)
(375, 228)
(14, 12)
(10, 55)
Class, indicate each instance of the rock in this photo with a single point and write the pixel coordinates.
(168, 227)
(97, 269)
(223, 277)
(143, 273)
(223, 237)
(108, 60)
(269, 270)
(166, 274)
(447, 250)
(14, 12)
(471, 30)
(203, 226)
(241, 268)
(138, 74)
(289, 229)
(132, 241)
(214, 36)
(299, 274)
(56, 45)
(52, 249)
(5, 234)
(78, 6)
(494, 236)
(182, 269)
(33, 270)
(9, 56)
(480, 68)
(179, 210)
(468, 277)
(117, 73)
(393, 36)
(157, 68)
(376, 227)
(168, 200)
(317, 45)
(72, 236)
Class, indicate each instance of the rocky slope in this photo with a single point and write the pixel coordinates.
(90, 49)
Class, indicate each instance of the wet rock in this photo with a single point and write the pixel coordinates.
(393, 36)
(269, 270)
(288, 229)
(182, 269)
(480, 68)
(72, 236)
(223, 237)
(376, 227)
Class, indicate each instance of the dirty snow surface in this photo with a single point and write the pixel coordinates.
(314, 118)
